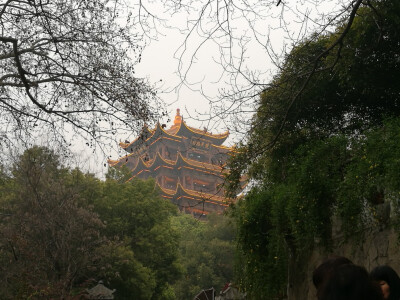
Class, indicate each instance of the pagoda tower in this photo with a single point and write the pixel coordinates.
(188, 164)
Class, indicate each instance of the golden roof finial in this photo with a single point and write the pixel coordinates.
(178, 118)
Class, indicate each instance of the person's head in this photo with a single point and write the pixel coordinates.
(325, 270)
(388, 280)
(350, 282)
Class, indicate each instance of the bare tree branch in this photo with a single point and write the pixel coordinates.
(73, 62)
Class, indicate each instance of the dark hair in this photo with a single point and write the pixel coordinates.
(350, 282)
(389, 275)
(325, 270)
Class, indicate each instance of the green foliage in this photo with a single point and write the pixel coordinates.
(371, 176)
(128, 275)
(337, 151)
(206, 253)
(73, 230)
(61, 229)
(48, 241)
(260, 246)
(122, 174)
(338, 175)
(136, 214)
(344, 95)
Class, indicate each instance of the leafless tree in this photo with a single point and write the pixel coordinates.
(67, 66)
(251, 40)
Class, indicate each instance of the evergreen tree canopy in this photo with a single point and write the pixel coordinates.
(328, 150)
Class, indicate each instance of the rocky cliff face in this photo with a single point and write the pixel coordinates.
(379, 246)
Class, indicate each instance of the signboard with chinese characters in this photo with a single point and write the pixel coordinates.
(200, 144)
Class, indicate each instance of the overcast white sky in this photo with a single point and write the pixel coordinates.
(272, 31)
(159, 63)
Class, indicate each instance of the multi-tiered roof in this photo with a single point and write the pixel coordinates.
(188, 164)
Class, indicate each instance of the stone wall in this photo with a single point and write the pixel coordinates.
(379, 246)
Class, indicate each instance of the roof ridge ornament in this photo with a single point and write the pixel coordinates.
(178, 117)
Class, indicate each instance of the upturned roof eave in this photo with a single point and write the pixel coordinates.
(182, 161)
(181, 191)
(185, 130)
(156, 133)
(144, 135)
